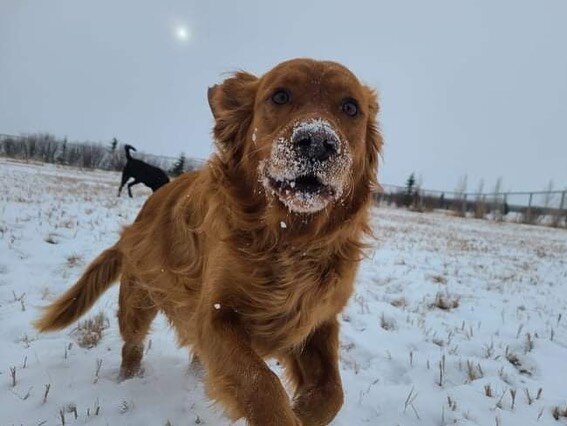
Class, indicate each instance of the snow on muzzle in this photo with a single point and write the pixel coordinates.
(308, 168)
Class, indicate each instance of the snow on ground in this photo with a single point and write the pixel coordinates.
(454, 321)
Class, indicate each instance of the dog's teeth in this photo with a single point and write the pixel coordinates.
(217, 306)
(292, 184)
(283, 225)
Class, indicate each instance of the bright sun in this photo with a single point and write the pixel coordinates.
(182, 33)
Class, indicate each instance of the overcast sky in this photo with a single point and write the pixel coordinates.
(467, 87)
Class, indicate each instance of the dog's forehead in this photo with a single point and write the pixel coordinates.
(309, 71)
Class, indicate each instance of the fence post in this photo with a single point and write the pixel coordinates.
(465, 204)
(529, 212)
(562, 205)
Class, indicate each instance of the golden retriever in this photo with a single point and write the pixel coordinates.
(254, 255)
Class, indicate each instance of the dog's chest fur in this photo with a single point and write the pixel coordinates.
(298, 291)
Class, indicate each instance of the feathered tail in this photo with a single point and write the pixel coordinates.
(99, 276)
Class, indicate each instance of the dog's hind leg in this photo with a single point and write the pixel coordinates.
(135, 315)
(125, 178)
(131, 184)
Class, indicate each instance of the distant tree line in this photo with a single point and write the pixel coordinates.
(90, 155)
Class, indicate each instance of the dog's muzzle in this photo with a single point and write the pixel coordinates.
(307, 169)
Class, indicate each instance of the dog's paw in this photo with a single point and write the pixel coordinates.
(130, 373)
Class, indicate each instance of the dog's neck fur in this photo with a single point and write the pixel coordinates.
(258, 230)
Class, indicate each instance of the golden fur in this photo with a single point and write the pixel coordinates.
(210, 251)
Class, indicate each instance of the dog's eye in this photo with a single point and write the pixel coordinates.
(280, 97)
(350, 107)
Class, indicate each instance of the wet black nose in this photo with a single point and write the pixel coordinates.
(318, 145)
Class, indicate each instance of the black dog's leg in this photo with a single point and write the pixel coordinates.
(125, 178)
(130, 185)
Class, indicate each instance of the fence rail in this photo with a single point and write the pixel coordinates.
(536, 207)
(556, 199)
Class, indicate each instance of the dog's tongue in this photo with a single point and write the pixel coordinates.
(304, 186)
(307, 183)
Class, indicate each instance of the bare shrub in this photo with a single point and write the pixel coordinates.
(530, 216)
(74, 260)
(13, 375)
(52, 239)
(558, 412)
(459, 205)
(446, 301)
(516, 361)
(89, 332)
(480, 207)
(387, 323)
(558, 219)
(499, 205)
(438, 279)
(474, 371)
(400, 302)
(429, 203)
(558, 215)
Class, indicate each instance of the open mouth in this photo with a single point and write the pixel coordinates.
(302, 186)
(306, 170)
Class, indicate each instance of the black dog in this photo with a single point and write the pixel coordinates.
(151, 176)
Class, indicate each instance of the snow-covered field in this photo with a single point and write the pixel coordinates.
(454, 321)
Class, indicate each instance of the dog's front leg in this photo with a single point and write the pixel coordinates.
(314, 369)
(236, 376)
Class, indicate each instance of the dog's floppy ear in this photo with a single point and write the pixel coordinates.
(232, 105)
(373, 138)
(211, 98)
